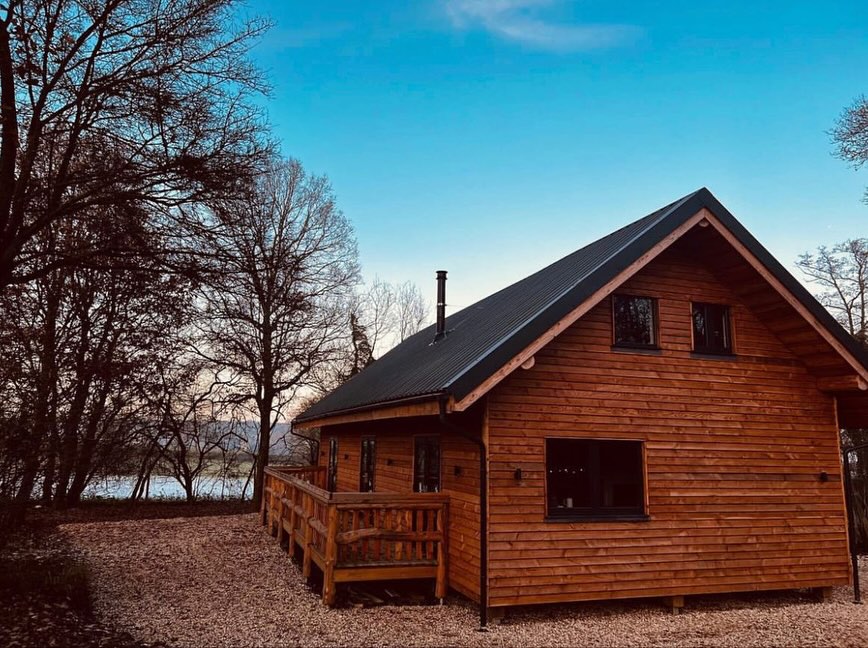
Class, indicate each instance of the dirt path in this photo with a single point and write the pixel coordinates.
(221, 581)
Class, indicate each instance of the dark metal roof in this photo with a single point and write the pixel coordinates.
(485, 336)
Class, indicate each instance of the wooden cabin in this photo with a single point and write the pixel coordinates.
(654, 415)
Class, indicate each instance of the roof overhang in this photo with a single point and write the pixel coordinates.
(421, 405)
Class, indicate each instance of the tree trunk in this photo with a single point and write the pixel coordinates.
(43, 416)
(264, 404)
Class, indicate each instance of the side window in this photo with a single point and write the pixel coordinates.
(332, 483)
(591, 478)
(711, 328)
(426, 464)
(366, 464)
(634, 322)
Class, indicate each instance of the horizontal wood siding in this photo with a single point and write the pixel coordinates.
(734, 449)
(394, 473)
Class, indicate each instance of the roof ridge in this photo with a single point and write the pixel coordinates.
(658, 215)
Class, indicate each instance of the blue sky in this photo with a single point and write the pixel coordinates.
(491, 137)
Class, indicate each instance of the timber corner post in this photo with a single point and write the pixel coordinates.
(442, 555)
(308, 535)
(329, 587)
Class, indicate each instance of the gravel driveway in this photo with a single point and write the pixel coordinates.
(222, 581)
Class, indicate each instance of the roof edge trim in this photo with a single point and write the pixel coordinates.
(307, 421)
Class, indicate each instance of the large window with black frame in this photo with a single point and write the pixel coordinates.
(711, 328)
(332, 475)
(594, 478)
(367, 463)
(634, 322)
(426, 464)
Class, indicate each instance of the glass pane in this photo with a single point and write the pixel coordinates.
(621, 475)
(568, 476)
(711, 328)
(634, 320)
(366, 469)
(426, 465)
(333, 465)
(589, 477)
(700, 336)
(718, 336)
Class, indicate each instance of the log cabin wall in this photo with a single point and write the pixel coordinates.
(734, 448)
(393, 472)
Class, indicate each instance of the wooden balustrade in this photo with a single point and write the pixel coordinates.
(356, 536)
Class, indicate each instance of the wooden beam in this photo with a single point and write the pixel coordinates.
(850, 382)
(577, 312)
(399, 411)
(675, 603)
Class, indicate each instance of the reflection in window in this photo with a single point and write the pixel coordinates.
(332, 483)
(426, 464)
(634, 321)
(366, 464)
(594, 478)
(711, 328)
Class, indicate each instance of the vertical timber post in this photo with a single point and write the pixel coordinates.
(331, 556)
(308, 534)
(442, 553)
(262, 502)
(293, 495)
(280, 509)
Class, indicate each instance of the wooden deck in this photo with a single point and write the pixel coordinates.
(356, 536)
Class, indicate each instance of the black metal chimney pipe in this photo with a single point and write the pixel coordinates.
(441, 305)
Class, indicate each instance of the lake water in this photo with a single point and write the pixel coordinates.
(167, 488)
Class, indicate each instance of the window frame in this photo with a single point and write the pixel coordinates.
(372, 440)
(596, 513)
(728, 331)
(655, 324)
(428, 437)
(332, 466)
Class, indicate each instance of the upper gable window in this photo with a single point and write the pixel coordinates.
(634, 321)
(711, 328)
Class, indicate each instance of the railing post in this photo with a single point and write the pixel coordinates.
(331, 556)
(292, 518)
(442, 554)
(262, 501)
(308, 533)
(280, 505)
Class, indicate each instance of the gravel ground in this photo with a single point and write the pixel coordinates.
(222, 581)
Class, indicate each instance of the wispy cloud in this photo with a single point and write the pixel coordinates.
(525, 21)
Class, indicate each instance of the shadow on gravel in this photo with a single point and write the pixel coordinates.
(44, 585)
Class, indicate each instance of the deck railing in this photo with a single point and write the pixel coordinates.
(356, 536)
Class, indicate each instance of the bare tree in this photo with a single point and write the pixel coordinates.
(276, 305)
(88, 338)
(390, 313)
(373, 319)
(411, 308)
(191, 426)
(850, 134)
(841, 273)
(107, 102)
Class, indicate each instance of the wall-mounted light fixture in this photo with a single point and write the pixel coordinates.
(388, 462)
(457, 471)
(824, 476)
(517, 474)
